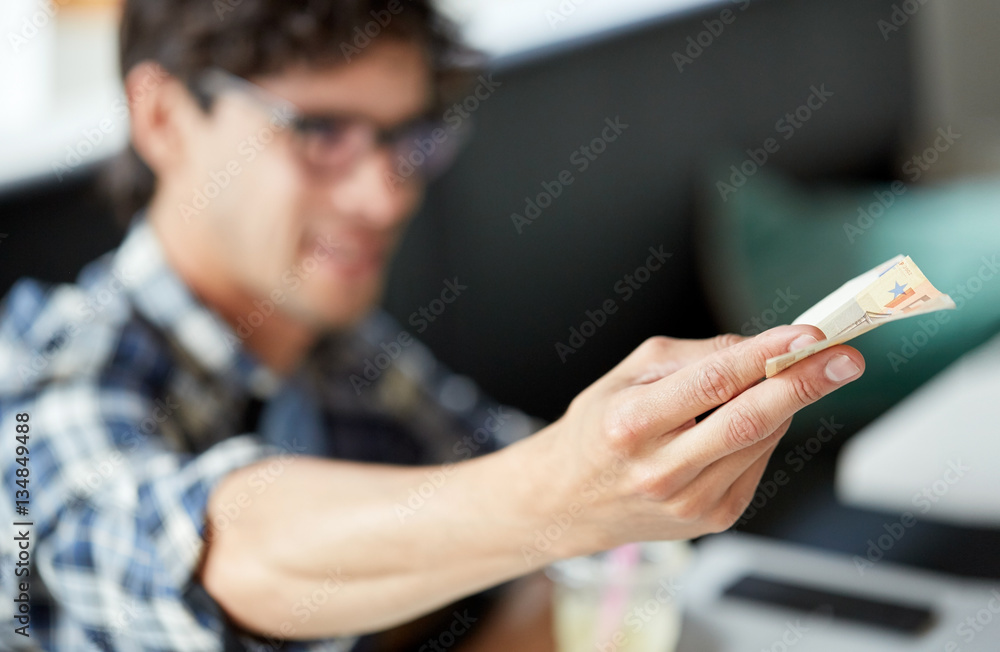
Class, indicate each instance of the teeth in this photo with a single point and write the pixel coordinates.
(347, 254)
(332, 245)
(346, 251)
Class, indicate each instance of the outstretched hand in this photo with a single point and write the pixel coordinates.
(663, 473)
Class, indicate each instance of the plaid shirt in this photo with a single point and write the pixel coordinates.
(140, 399)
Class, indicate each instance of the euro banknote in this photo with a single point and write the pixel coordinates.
(894, 290)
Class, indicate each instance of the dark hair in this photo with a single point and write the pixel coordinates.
(257, 37)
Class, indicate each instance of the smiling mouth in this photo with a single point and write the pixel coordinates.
(345, 256)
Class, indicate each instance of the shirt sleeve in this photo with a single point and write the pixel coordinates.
(118, 516)
(479, 424)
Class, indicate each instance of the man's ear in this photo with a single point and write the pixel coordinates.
(161, 110)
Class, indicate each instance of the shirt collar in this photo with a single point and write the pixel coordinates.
(159, 295)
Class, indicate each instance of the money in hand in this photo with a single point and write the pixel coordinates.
(894, 290)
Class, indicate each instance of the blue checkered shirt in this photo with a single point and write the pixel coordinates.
(140, 399)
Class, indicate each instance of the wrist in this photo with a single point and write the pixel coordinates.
(550, 492)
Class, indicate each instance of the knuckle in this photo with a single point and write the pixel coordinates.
(745, 426)
(622, 426)
(686, 510)
(652, 487)
(580, 404)
(805, 391)
(655, 482)
(726, 340)
(714, 384)
(725, 516)
(656, 345)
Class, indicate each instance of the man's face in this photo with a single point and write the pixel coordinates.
(314, 242)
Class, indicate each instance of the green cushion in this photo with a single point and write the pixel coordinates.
(773, 240)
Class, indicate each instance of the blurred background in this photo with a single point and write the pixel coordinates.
(773, 148)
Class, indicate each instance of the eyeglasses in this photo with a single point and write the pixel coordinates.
(331, 143)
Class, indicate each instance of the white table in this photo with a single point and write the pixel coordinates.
(713, 623)
(937, 453)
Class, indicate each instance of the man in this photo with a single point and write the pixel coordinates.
(203, 472)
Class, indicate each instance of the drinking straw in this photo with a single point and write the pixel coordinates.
(615, 599)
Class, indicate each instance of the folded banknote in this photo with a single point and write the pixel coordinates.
(894, 290)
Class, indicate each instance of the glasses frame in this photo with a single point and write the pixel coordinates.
(447, 140)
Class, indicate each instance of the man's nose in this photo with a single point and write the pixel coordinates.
(370, 191)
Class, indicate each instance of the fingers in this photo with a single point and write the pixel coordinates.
(719, 476)
(720, 495)
(739, 494)
(659, 357)
(684, 352)
(661, 406)
(710, 484)
(759, 411)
